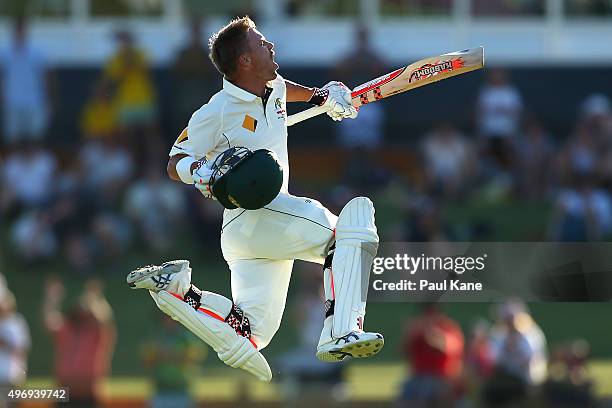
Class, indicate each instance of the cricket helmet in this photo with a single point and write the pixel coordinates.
(246, 179)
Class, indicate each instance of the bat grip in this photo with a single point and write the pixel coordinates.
(305, 114)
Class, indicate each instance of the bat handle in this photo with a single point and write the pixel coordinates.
(305, 114)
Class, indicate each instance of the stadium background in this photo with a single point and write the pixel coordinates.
(555, 53)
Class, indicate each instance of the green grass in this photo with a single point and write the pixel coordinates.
(365, 381)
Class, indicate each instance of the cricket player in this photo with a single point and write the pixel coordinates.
(246, 122)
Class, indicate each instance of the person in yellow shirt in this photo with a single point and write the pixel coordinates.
(99, 117)
(129, 76)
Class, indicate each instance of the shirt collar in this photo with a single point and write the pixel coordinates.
(239, 92)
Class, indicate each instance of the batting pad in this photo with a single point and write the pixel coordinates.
(233, 349)
(356, 246)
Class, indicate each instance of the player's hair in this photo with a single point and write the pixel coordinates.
(227, 44)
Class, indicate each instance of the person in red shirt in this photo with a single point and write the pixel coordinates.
(434, 346)
(84, 340)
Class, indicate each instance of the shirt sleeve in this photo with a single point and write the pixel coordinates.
(202, 134)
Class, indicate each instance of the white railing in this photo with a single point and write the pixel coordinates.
(549, 39)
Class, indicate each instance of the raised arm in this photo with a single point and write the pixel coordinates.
(298, 93)
(335, 97)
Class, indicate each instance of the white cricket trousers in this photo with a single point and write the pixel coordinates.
(260, 247)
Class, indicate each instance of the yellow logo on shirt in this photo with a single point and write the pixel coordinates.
(249, 123)
(182, 137)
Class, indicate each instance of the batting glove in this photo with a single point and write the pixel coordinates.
(337, 101)
(201, 179)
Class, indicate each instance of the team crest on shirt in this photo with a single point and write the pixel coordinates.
(281, 113)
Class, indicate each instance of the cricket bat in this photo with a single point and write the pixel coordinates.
(404, 79)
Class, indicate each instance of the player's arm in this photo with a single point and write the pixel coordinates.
(187, 162)
(298, 93)
(173, 162)
(335, 97)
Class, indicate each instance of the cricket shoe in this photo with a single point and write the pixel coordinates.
(172, 276)
(356, 344)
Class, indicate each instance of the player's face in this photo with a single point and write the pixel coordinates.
(261, 52)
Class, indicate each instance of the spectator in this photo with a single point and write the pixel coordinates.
(194, 76)
(499, 113)
(32, 237)
(99, 117)
(434, 346)
(157, 206)
(518, 344)
(361, 64)
(569, 383)
(106, 167)
(535, 150)
(14, 343)
(40, 167)
(596, 114)
(24, 82)
(84, 339)
(582, 212)
(449, 160)
(479, 358)
(426, 222)
(581, 152)
(172, 357)
(127, 73)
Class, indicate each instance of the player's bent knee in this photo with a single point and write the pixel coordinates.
(356, 225)
(263, 337)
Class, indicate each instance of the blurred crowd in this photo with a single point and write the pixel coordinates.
(108, 195)
(503, 364)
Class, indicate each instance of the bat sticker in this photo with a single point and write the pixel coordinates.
(428, 70)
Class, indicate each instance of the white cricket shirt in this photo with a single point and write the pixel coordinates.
(235, 117)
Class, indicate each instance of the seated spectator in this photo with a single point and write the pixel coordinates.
(83, 339)
(449, 160)
(40, 166)
(99, 117)
(14, 343)
(111, 234)
(32, 237)
(582, 212)
(106, 167)
(157, 206)
(434, 346)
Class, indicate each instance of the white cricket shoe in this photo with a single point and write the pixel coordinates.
(355, 344)
(172, 276)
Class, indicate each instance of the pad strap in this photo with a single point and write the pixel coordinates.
(239, 322)
(193, 297)
(236, 318)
